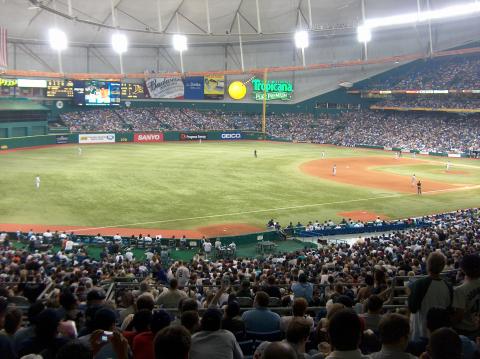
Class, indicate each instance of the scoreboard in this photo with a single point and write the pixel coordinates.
(59, 88)
(133, 91)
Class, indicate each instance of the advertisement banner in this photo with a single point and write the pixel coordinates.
(96, 138)
(148, 137)
(165, 87)
(456, 155)
(214, 87)
(194, 88)
(8, 82)
(192, 136)
(61, 139)
(272, 90)
(231, 136)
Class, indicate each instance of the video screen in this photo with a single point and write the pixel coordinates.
(102, 93)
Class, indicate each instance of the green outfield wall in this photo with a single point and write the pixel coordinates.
(115, 137)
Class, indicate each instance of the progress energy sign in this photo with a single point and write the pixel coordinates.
(96, 138)
(275, 90)
(192, 136)
(148, 137)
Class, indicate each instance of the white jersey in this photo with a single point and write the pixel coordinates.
(183, 275)
(207, 247)
(334, 170)
(79, 151)
(37, 182)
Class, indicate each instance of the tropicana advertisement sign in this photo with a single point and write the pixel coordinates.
(275, 90)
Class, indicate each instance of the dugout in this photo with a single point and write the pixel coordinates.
(22, 117)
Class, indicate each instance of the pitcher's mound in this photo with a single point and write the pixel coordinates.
(363, 216)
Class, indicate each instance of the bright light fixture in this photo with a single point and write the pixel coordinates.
(301, 39)
(364, 34)
(179, 42)
(119, 43)
(58, 39)
(424, 16)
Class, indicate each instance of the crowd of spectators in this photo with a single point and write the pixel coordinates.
(443, 73)
(421, 131)
(93, 120)
(437, 102)
(354, 283)
(418, 131)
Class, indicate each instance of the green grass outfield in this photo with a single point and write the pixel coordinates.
(186, 185)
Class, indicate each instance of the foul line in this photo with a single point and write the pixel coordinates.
(281, 208)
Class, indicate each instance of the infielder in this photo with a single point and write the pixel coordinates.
(323, 154)
(414, 180)
(334, 170)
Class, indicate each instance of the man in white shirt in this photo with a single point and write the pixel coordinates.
(129, 256)
(117, 238)
(48, 235)
(148, 239)
(218, 244)
(207, 248)
(68, 246)
(182, 275)
(427, 293)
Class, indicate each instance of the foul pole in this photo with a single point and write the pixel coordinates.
(264, 107)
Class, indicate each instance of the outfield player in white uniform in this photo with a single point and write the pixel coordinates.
(334, 170)
(79, 151)
(448, 165)
(414, 180)
(37, 182)
(323, 154)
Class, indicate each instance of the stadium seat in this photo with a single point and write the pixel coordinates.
(274, 302)
(247, 346)
(267, 336)
(245, 301)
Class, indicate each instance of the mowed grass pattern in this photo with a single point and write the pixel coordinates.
(187, 185)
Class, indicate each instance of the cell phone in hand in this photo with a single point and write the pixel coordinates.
(105, 336)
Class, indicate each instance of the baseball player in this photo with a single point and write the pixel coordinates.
(334, 170)
(323, 155)
(414, 180)
(79, 151)
(37, 182)
(448, 165)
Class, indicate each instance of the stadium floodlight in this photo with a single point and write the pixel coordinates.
(424, 16)
(364, 34)
(301, 39)
(58, 39)
(179, 42)
(119, 43)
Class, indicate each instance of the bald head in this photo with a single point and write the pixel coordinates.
(279, 350)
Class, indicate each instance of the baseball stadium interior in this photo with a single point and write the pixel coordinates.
(228, 179)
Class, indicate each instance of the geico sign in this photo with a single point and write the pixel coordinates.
(231, 136)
